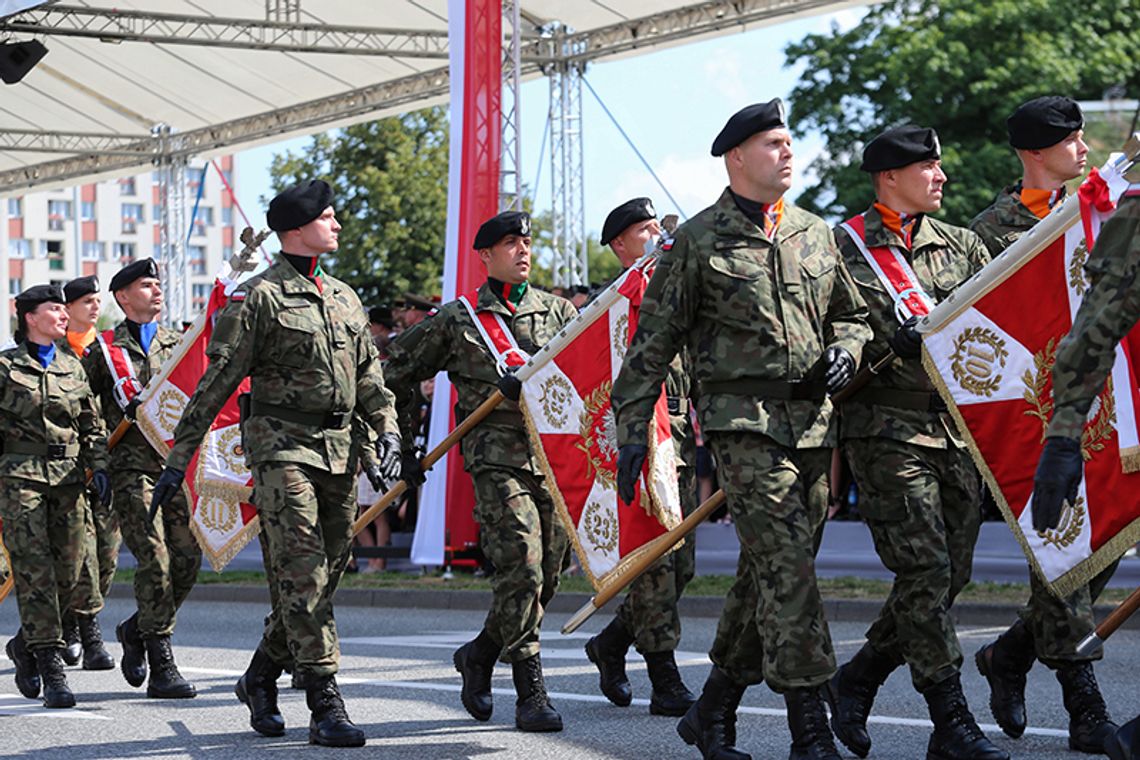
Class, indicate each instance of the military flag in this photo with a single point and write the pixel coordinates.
(990, 349)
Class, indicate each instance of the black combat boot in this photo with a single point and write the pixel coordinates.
(475, 661)
(133, 663)
(811, 737)
(1125, 743)
(1004, 663)
(27, 674)
(165, 680)
(533, 711)
(710, 724)
(956, 734)
(851, 692)
(1089, 724)
(257, 690)
(670, 695)
(72, 644)
(607, 651)
(95, 654)
(329, 726)
(56, 691)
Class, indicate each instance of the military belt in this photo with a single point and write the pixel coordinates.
(677, 405)
(769, 390)
(900, 399)
(49, 450)
(334, 420)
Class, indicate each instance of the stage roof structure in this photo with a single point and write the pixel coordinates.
(123, 87)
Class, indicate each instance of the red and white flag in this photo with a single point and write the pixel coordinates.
(566, 404)
(218, 483)
(990, 348)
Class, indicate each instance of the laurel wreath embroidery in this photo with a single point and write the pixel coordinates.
(600, 526)
(1069, 528)
(620, 339)
(1095, 434)
(977, 352)
(555, 400)
(1039, 396)
(598, 429)
(1077, 279)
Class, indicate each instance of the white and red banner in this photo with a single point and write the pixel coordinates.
(566, 404)
(218, 482)
(991, 348)
(474, 30)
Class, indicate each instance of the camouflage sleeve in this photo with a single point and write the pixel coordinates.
(846, 325)
(366, 436)
(1108, 312)
(374, 402)
(415, 355)
(990, 235)
(667, 312)
(92, 433)
(230, 351)
(978, 252)
(97, 376)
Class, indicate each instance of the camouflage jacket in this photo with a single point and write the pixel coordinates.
(306, 351)
(133, 452)
(1109, 311)
(48, 406)
(749, 310)
(942, 256)
(1006, 219)
(449, 341)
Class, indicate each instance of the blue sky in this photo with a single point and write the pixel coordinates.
(670, 102)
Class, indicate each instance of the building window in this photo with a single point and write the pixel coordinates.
(132, 217)
(19, 248)
(197, 256)
(127, 186)
(58, 213)
(15, 207)
(199, 294)
(124, 252)
(203, 219)
(52, 250)
(14, 286)
(92, 251)
(227, 216)
(87, 211)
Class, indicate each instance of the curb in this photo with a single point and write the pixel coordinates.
(837, 610)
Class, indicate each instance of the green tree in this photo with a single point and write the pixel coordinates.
(960, 66)
(389, 178)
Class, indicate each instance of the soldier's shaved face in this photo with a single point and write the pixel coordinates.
(912, 189)
(141, 301)
(760, 168)
(509, 259)
(318, 236)
(1066, 160)
(630, 244)
(84, 312)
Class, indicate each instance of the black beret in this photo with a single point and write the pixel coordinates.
(758, 117)
(630, 212)
(1043, 122)
(81, 286)
(380, 315)
(419, 303)
(499, 226)
(899, 147)
(298, 205)
(37, 294)
(136, 270)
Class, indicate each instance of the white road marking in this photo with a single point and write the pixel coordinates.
(16, 704)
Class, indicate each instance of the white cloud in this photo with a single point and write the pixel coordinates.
(725, 71)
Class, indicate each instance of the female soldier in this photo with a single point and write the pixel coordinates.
(50, 435)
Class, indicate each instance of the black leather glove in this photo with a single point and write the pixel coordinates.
(412, 469)
(376, 478)
(907, 341)
(510, 386)
(1058, 475)
(840, 369)
(165, 489)
(388, 459)
(631, 458)
(102, 482)
(131, 409)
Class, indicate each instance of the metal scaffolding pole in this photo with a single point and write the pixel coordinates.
(171, 253)
(510, 174)
(566, 163)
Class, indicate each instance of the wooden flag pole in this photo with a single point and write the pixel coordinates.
(646, 556)
(1108, 626)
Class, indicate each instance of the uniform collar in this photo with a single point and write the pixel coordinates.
(729, 221)
(292, 281)
(489, 300)
(925, 232)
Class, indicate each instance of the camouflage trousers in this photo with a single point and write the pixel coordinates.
(43, 532)
(101, 557)
(306, 520)
(1058, 625)
(649, 610)
(773, 627)
(167, 553)
(523, 537)
(923, 506)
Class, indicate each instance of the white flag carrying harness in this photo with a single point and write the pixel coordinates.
(126, 384)
(893, 270)
(496, 335)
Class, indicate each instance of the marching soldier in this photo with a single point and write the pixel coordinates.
(755, 287)
(519, 530)
(1109, 311)
(648, 615)
(51, 434)
(920, 492)
(1047, 134)
(81, 625)
(119, 364)
(302, 338)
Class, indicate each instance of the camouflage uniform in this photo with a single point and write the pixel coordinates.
(919, 491)
(42, 493)
(1056, 625)
(519, 530)
(167, 553)
(756, 316)
(311, 361)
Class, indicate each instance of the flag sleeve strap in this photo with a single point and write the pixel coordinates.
(893, 271)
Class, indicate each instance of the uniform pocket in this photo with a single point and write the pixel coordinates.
(294, 344)
(740, 264)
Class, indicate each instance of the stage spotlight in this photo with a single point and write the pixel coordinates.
(18, 58)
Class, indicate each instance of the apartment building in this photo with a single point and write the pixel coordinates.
(96, 228)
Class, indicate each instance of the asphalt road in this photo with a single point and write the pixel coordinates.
(401, 689)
